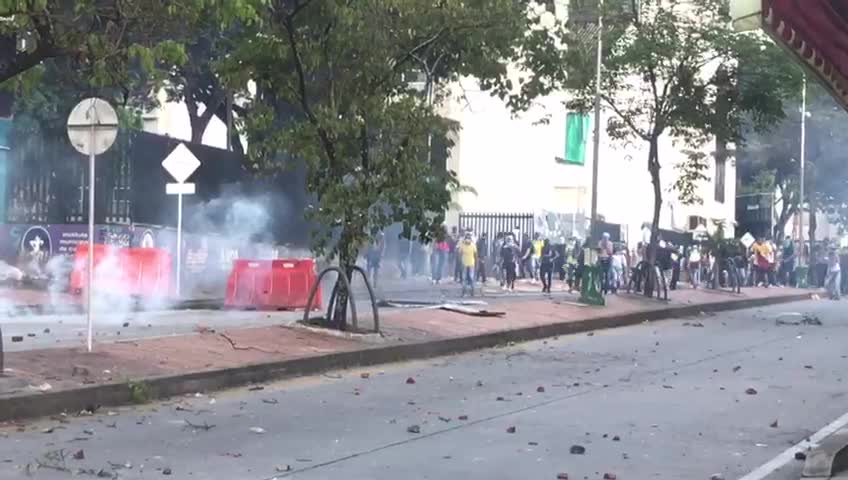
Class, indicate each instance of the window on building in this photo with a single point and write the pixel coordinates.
(696, 221)
(720, 174)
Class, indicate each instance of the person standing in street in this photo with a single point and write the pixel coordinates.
(374, 257)
(833, 280)
(762, 267)
(548, 256)
(468, 258)
(440, 253)
(509, 254)
(605, 251)
(694, 265)
(482, 256)
(536, 255)
(787, 263)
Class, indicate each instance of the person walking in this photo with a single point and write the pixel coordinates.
(548, 256)
(440, 253)
(787, 263)
(833, 280)
(536, 255)
(762, 252)
(509, 255)
(617, 268)
(482, 256)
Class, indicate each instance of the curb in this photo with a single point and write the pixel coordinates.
(159, 387)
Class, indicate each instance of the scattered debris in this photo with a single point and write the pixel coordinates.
(17, 338)
(479, 383)
(126, 324)
(590, 334)
(270, 401)
(562, 476)
(410, 381)
(166, 471)
(31, 335)
(88, 432)
(256, 388)
(510, 430)
(283, 468)
(462, 417)
(364, 375)
(205, 427)
(257, 430)
(445, 419)
(577, 450)
(773, 424)
(616, 438)
(808, 367)
(668, 387)
(540, 389)
(79, 371)
(44, 387)
(533, 444)
(736, 368)
(751, 391)
(801, 456)
(413, 429)
(500, 399)
(79, 455)
(609, 476)
(46, 330)
(716, 476)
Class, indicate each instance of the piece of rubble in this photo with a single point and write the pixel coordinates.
(79, 455)
(510, 430)
(410, 381)
(283, 468)
(257, 430)
(751, 391)
(616, 438)
(540, 389)
(562, 476)
(736, 368)
(716, 476)
(609, 476)
(166, 471)
(773, 424)
(413, 429)
(462, 417)
(479, 383)
(801, 456)
(364, 375)
(46, 330)
(17, 338)
(31, 335)
(577, 450)
(126, 324)
(500, 399)
(79, 371)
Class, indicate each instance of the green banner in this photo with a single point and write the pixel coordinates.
(577, 128)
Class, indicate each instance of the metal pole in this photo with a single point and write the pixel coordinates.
(803, 161)
(179, 241)
(597, 134)
(90, 276)
(229, 126)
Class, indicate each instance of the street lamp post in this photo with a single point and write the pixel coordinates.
(596, 141)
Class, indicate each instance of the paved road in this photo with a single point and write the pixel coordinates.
(673, 393)
(120, 324)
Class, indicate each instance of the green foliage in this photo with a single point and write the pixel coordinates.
(139, 392)
(334, 92)
(690, 173)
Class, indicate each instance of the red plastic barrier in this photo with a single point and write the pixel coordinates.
(272, 284)
(146, 271)
(143, 272)
(78, 274)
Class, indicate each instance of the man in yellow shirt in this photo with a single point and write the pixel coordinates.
(762, 262)
(468, 256)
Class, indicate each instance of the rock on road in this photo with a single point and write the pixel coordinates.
(665, 400)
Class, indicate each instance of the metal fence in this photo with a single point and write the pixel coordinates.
(494, 223)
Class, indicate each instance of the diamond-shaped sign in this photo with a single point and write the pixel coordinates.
(181, 163)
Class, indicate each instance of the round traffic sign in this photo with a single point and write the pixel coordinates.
(92, 126)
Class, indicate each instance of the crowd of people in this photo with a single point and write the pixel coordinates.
(472, 259)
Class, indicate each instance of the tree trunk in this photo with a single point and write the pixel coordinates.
(654, 170)
(342, 296)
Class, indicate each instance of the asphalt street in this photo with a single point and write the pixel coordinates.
(680, 399)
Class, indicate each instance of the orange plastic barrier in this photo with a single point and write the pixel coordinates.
(146, 271)
(272, 284)
(78, 274)
(142, 272)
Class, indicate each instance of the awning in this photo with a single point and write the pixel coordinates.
(814, 31)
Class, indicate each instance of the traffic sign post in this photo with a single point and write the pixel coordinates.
(180, 163)
(92, 129)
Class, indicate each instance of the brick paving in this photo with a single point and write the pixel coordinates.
(69, 368)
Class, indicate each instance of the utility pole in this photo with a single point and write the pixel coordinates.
(803, 161)
(596, 147)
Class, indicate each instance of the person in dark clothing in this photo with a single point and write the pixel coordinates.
(580, 255)
(509, 254)
(546, 265)
(482, 256)
(787, 263)
(526, 253)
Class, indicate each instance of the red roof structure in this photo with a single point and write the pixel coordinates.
(815, 32)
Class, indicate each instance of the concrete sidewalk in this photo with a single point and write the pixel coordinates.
(43, 382)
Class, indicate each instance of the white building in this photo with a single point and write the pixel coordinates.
(515, 166)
